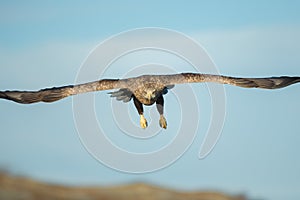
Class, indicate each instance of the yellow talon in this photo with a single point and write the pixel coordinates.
(163, 122)
(143, 121)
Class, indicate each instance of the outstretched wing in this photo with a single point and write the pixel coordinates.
(266, 83)
(57, 93)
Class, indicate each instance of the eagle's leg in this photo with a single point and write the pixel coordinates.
(160, 109)
(139, 107)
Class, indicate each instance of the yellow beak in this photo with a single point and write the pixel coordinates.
(149, 95)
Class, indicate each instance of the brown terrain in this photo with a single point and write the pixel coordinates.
(20, 188)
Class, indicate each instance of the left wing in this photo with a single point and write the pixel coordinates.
(57, 93)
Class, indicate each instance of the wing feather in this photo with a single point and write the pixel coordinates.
(265, 83)
(57, 93)
(123, 94)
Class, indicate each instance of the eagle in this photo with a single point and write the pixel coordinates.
(144, 90)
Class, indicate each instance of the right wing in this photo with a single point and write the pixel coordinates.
(266, 83)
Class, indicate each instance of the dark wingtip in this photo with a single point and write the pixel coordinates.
(3, 95)
(286, 81)
(14, 96)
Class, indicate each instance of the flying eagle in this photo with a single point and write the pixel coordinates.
(144, 90)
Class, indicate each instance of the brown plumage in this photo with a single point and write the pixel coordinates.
(145, 90)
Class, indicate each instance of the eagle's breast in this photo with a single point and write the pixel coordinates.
(145, 85)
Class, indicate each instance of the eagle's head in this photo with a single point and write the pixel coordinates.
(150, 96)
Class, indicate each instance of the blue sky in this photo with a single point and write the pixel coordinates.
(43, 44)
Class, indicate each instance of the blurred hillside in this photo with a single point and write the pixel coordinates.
(20, 188)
